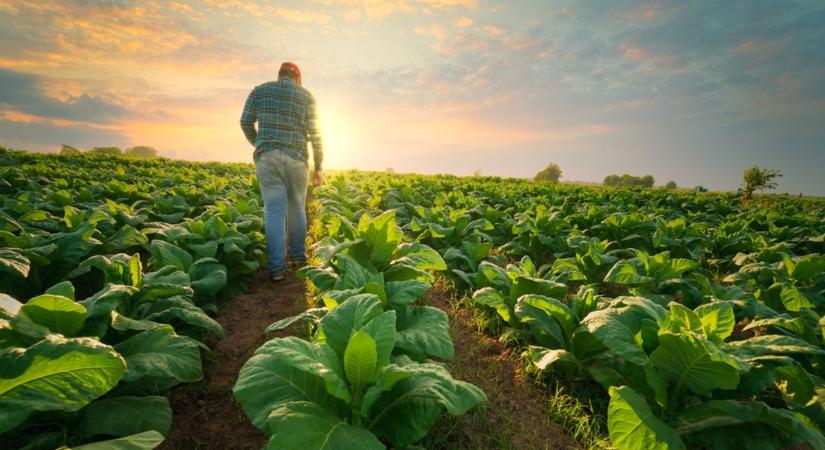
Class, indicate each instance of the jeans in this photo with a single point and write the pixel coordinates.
(283, 183)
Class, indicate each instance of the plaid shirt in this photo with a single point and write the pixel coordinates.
(286, 118)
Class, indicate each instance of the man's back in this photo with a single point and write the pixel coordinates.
(286, 117)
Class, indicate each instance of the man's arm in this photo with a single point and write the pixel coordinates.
(248, 118)
(314, 134)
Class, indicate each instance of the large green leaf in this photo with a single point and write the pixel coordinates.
(491, 297)
(633, 426)
(147, 440)
(405, 414)
(681, 318)
(168, 310)
(424, 330)
(124, 416)
(729, 424)
(63, 289)
(419, 256)
(347, 318)
(615, 329)
(717, 320)
(808, 267)
(285, 370)
(56, 313)
(794, 299)
(351, 274)
(360, 360)
(168, 254)
(13, 261)
(403, 293)
(126, 237)
(308, 426)
(549, 306)
(528, 285)
(624, 272)
(208, 276)
(160, 352)
(690, 362)
(106, 300)
(382, 234)
(772, 344)
(383, 332)
(543, 358)
(56, 374)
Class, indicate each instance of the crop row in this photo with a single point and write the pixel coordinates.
(117, 265)
(700, 316)
(369, 373)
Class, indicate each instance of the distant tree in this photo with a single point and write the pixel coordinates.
(141, 151)
(700, 188)
(551, 174)
(106, 150)
(477, 173)
(69, 150)
(671, 185)
(759, 179)
(629, 181)
(389, 170)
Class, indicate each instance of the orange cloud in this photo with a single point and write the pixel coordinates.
(463, 22)
(376, 9)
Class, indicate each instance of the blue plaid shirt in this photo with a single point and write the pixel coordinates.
(286, 117)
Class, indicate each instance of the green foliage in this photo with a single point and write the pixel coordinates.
(117, 263)
(344, 388)
(67, 149)
(141, 151)
(758, 179)
(550, 174)
(106, 151)
(626, 180)
(699, 317)
(671, 185)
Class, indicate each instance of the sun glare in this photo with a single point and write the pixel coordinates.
(339, 137)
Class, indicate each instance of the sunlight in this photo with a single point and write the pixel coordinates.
(339, 137)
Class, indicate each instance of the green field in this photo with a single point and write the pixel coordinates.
(690, 320)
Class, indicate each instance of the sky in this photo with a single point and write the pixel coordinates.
(693, 92)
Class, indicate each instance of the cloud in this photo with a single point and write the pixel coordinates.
(59, 34)
(25, 93)
(43, 135)
(378, 9)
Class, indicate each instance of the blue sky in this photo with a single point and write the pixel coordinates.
(693, 92)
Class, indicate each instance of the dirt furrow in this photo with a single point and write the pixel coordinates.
(206, 415)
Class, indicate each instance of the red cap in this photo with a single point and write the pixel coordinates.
(291, 68)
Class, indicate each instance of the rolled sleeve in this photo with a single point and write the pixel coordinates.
(314, 133)
(249, 117)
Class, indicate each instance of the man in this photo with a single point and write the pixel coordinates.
(287, 119)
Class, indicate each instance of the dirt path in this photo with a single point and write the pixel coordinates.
(516, 415)
(205, 415)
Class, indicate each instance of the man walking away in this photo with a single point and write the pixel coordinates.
(287, 119)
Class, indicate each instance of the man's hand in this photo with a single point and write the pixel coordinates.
(316, 179)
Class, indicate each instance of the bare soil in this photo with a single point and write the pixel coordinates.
(516, 414)
(206, 415)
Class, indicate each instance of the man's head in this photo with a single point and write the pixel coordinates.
(290, 70)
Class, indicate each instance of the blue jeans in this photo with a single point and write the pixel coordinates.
(283, 183)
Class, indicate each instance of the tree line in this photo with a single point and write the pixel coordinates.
(754, 179)
(140, 151)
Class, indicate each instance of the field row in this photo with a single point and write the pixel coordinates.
(699, 316)
(109, 272)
